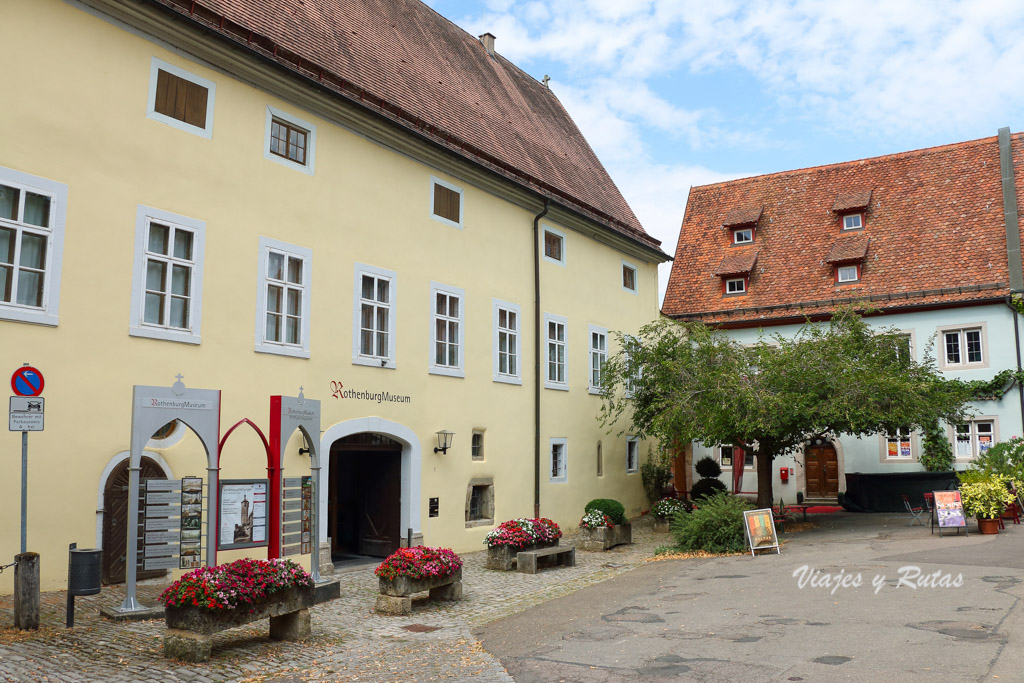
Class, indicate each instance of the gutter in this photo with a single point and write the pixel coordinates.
(536, 358)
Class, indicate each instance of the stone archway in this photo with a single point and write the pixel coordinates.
(409, 469)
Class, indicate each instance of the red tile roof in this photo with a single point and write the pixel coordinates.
(853, 248)
(935, 223)
(736, 262)
(847, 201)
(742, 215)
(404, 61)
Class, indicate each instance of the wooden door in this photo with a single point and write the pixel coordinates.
(115, 521)
(821, 466)
(380, 514)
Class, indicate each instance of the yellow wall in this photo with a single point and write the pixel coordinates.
(78, 117)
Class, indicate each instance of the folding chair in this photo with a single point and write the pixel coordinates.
(916, 512)
(929, 506)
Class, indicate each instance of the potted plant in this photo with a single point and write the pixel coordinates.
(506, 540)
(986, 498)
(664, 510)
(604, 525)
(413, 570)
(211, 599)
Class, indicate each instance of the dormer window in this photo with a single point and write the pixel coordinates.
(847, 273)
(743, 236)
(853, 221)
(736, 285)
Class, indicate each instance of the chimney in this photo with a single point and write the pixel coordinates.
(488, 40)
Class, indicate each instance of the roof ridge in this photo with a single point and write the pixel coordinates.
(866, 160)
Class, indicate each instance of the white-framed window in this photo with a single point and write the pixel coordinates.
(632, 455)
(552, 245)
(847, 273)
(445, 202)
(556, 374)
(727, 453)
(629, 282)
(964, 347)
(905, 346)
(283, 298)
(632, 379)
(736, 285)
(32, 213)
(507, 327)
(743, 236)
(973, 438)
(167, 277)
(373, 316)
(899, 445)
(446, 330)
(289, 141)
(180, 99)
(559, 459)
(853, 221)
(598, 356)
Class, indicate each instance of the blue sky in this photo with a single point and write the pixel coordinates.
(672, 93)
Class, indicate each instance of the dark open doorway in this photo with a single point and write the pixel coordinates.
(115, 521)
(364, 497)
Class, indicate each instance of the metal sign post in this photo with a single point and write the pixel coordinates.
(26, 415)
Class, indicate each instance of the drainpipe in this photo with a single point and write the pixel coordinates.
(1016, 339)
(1013, 253)
(536, 358)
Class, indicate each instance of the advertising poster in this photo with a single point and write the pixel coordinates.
(949, 509)
(760, 527)
(243, 513)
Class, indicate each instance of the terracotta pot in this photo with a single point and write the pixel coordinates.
(988, 526)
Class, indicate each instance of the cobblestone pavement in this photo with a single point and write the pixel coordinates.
(349, 642)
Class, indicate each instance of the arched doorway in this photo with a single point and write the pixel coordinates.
(821, 469)
(115, 520)
(364, 496)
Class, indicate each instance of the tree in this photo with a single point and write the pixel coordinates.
(682, 382)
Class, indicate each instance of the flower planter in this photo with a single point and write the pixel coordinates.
(603, 538)
(988, 526)
(661, 524)
(396, 594)
(503, 557)
(189, 628)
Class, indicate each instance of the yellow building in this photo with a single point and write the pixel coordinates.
(355, 198)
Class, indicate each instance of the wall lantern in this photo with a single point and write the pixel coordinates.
(444, 441)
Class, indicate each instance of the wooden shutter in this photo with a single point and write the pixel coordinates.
(446, 203)
(180, 99)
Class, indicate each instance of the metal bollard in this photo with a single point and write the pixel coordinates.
(408, 538)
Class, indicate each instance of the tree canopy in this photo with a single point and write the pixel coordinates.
(682, 382)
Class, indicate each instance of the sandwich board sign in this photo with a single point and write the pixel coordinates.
(760, 528)
(949, 511)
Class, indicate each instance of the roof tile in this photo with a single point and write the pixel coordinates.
(742, 215)
(737, 262)
(848, 201)
(853, 248)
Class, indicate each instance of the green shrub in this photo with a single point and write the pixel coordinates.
(1005, 457)
(655, 473)
(706, 487)
(715, 526)
(708, 468)
(937, 455)
(613, 508)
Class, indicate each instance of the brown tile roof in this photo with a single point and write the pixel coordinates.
(852, 248)
(736, 262)
(406, 62)
(847, 201)
(742, 215)
(935, 224)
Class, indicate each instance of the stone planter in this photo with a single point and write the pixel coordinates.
(189, 628)
(661, 524)
(603, 538)
(503, 557)
(396, 594)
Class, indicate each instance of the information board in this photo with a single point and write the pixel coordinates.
(191, 551)
(760, 527)
(243, 513)
(297, 516)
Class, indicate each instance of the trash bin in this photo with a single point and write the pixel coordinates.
(84, 571)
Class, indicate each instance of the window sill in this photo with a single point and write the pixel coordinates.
(19, 315)
(164, 335)
(560, 480)
(450, 223)
(386, 363)
(274, 349)
(508, 379)
(556, 386)
(288, 163)
(551, 260)
(472, 524)
(595, 391)
(447, 372)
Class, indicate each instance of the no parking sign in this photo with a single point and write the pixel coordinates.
(27, 381)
